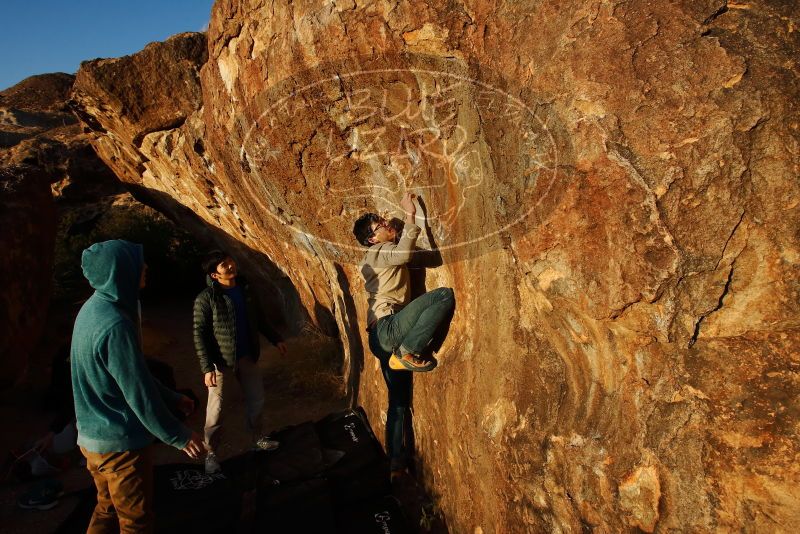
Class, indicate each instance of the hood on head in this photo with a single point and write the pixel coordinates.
(114, 269)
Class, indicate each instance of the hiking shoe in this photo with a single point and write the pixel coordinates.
(41, 496)
(212, 464)
(415, 364)
(266, 444)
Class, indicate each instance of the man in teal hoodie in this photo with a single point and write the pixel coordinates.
(119, 406)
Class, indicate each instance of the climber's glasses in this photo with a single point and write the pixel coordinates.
(382, 224)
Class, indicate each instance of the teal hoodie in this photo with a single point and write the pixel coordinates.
(118, 404)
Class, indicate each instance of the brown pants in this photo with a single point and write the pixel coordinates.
(124, 483)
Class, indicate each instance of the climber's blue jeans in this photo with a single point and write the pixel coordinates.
(400, 387)
(412, 328)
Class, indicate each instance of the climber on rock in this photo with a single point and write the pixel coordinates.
(399, 330)
(403, 328)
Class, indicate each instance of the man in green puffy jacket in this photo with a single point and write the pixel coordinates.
(119, 406)
(227, 321)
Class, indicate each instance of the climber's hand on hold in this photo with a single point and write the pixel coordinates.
(407, 203)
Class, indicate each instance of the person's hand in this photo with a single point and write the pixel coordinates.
(195, 448)
(186, 405)
(407, 203)
(210, 379)
(281, 346)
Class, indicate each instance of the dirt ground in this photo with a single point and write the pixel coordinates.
(301, 387)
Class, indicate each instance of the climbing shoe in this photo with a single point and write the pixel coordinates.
(411, 363)
(266, 444)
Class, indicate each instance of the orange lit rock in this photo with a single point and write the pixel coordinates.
(612, 188)
(639, 494)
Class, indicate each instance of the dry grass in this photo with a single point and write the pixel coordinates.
(312, 368)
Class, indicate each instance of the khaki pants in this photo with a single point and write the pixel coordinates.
(248, 375)
(124, 483)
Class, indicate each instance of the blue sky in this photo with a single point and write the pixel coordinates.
(40, 36)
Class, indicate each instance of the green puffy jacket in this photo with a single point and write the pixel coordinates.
(215, 325)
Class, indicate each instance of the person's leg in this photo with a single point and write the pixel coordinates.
(398, 385)
(252, 383)
(124, 483)
(214, 413)
(104, 518)
(130, 483)
(411, 329)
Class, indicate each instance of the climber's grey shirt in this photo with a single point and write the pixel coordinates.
(386, 275)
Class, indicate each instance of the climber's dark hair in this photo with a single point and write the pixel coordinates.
(362, 229)
(212, 260)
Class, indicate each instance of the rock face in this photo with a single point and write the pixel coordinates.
(34, 120)
(47, 167)
(34, 106)
(613, 191)
(26, 206)
(145, 112)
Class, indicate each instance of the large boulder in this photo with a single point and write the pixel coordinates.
(143, 114)
(34, 106)
(28, 112)
(47, 168)
(613, 190)
(27, 214)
